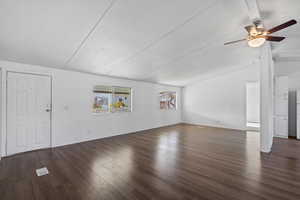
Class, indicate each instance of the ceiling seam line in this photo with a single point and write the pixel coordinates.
(175, 28)
(192, 52)
(100, 19)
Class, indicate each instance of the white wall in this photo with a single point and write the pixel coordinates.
(290, 69)
(220, 101)
(285, 68)
(73, 120)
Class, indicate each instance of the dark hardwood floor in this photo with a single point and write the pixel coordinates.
(177, 162)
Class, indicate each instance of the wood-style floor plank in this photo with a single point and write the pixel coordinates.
(173, 163)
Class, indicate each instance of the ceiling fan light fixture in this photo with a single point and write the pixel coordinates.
(257, 42)
(253, 32)
(258, 35)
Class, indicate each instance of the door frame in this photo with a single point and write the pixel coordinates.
(5, 103)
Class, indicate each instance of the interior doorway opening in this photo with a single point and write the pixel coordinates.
(253, 105)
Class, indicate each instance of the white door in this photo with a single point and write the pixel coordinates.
(28, 112)
(281, 106)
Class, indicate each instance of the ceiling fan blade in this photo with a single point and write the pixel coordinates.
(282, 26)
(271, 38)
(274, 38)
(233, 42)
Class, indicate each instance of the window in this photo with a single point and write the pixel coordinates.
(102, 99)
(121, 99)
(111, 99)
(167, 100)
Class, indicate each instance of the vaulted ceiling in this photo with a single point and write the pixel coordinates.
(164, 41)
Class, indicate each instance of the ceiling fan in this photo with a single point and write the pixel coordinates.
(257, 35)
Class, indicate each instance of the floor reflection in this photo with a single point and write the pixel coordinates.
(166, 153)
(253, 161)
(115, 167)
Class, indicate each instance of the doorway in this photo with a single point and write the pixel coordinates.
(28, 112)
(253, 105)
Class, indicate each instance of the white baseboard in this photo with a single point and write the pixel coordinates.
(281, 136)
(107, 136)
(265, 150)
(216, 126)
(112, 135)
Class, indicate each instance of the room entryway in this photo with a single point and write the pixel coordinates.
(253, 104)
(28, 112)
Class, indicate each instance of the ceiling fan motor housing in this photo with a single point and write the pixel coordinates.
(258, 23)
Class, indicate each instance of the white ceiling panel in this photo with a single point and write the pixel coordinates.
(186, 70)
(45, 32)
(130, 27)
(211, 26)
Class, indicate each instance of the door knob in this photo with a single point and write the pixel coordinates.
(48, 110)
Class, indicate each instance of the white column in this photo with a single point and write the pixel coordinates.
(266, 85)
(266, 98)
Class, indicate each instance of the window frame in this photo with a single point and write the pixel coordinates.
(111, 100)
(168, 109)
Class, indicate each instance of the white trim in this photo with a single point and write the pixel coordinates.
(281, 136)
(245, 94)
(265, 150)
(217, 126)
(3, 111)
(1, 108)
(117, 134)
